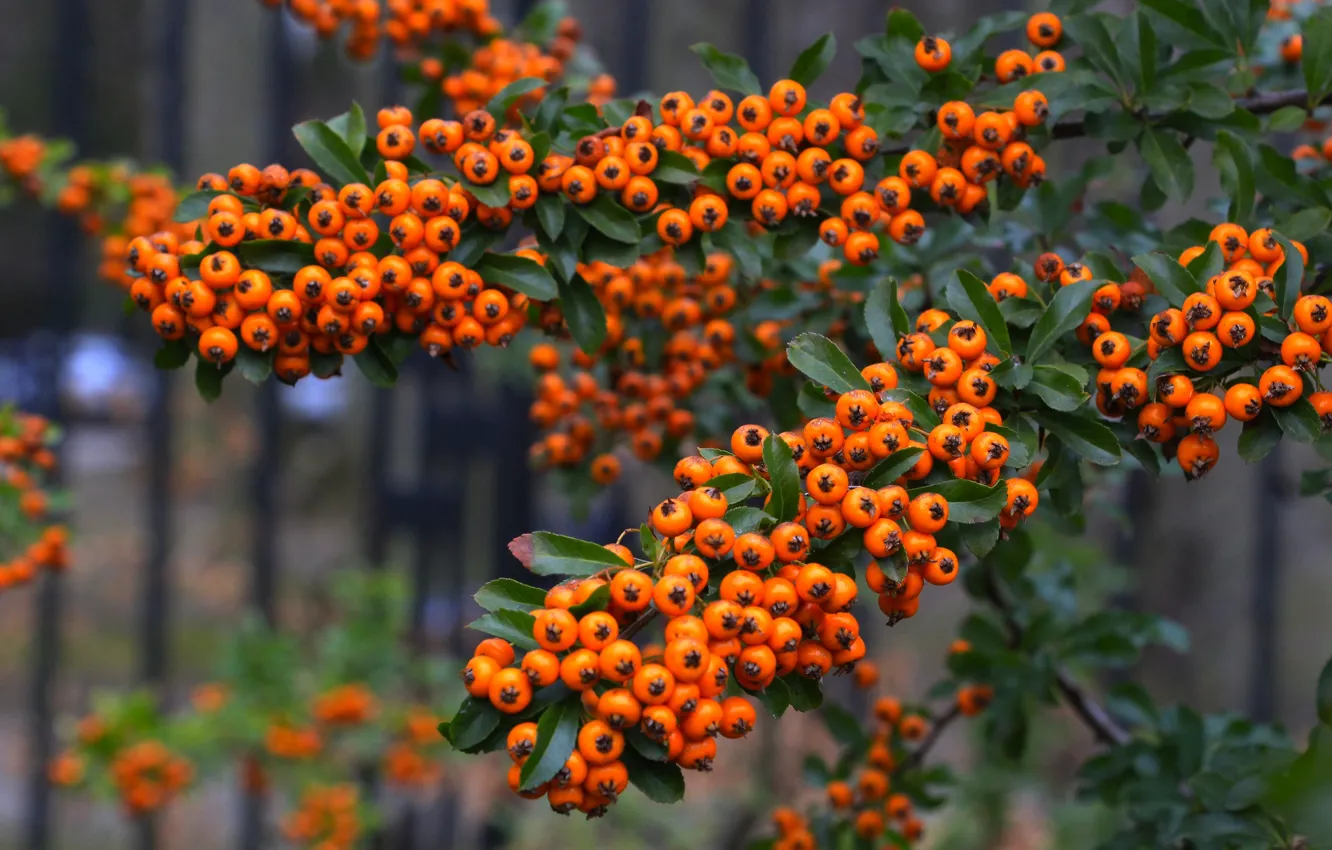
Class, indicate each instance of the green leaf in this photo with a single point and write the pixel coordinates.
(1299, 421)
(733, 239)
(728, 70)
(660, 781)
(736, 486)
(1171, 279)
(904, 25)
(1316, 57)
(924, 415)
(893, 467)
(597, 601)
(820, 360)
(255, 366)
(608, 218)
(376, 366)
(844, 727)
(1068, 309)
(1208, 264)
(970, 299)
(475, 720)
(557, 735)
(1169, 162)
(1287, 119)
(509, 593)
(583, 314)
(675, 168)
(526, 276)
(980, 537)
(194, 206)
(1082, 434)
(330, 153)
(1306, 223)
(1186, 15)
(1259, 436)
(1090, 32)
(550, 215)
(1057, 388)
(776, 697)
(508, 96)
(813, 60)
(514, 626)
(494, 194)
(806, 694)
(554, 554)
(1234, 162)
(1289, 278)
(745, 519)
(884, 316)
(1145, 60)
(968, 501)
(1324, 698)
(784, 501)
(350, 126)
(173, 354)
(276, 256)
(208, 379)
(549, 111)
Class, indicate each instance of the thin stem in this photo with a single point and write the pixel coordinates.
(931, 738)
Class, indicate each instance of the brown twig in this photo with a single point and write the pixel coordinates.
(1104, 727)
(931, 738)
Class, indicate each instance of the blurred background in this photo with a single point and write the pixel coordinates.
(187, 514)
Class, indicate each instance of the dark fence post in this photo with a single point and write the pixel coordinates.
(45, 355)
(1266, 588)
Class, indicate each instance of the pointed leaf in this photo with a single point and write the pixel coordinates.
(608, 218)
(968, 501)
(514, 626)
(813, 60)
(1068, 309)
(970, 299)
(583, 314)
(660, 781)
(728, 70)
(1082, 434)
(824, 363)
(784, 500)
(884, 316)
(1289, 278)
(557, 735)
(330, 153)
(555, 554)
(520, 273)
(891, 468)
(508, 593)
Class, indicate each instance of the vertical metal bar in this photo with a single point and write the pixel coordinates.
(632, 74)
(1266, 588)
(70, 60)
(756, 37)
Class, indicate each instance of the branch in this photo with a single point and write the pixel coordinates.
(931, 738)
(1104, 727)
(1258, 104)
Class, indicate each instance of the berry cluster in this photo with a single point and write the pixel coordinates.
(26, 458)
(328, 818)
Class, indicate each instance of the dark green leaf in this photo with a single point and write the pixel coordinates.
(1187, 16)
(1171, 279)
(776, 697)
(1316, 57)
(173, 354)
(968, 501)
(980, 537)
(893, 467)
(813, 60)
(508, 96)
(970, 299)
(513, 626)
(276, 256)
(554, 554)
(350, 125)
(608, 218)
(255, 366)
(1289, 278)
(1091, 34)
(737, 486)
(745, 519)
(820, 360)
(1082, 434)
(1287, 119)
(526, 276)
(884, 316)
(376, 366)
(676, 168)
(806, 694)
(508, 593)
(494, 194)
(1169, 161)
(1057, 388)
(660, 781)
(728, 70)
(1259, 437)
(194, 206)
(551, 108)
(1234, 162)
(208, 379)
(583, 314)
(475, 720)
(330, 153)
(1068, 309)
(924, 415)
(1306, 223)
(597, 601)
(1208, 264)
(784, 501)
(1299, 421)
(550, 215)
(557, 735)
(844, 727)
